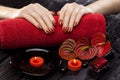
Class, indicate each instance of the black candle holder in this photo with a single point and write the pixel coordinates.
(20, 61)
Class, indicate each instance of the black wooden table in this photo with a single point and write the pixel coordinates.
(7, 72)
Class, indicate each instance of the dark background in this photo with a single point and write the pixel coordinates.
(7, 72)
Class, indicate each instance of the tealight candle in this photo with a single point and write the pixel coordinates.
(36, 61)
(74, 64)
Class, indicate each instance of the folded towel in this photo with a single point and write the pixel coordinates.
(19, 33)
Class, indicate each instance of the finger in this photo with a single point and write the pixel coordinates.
(81, 12)
(67, 16)
(31, 19)
(79, 15)
(58, 13)
(44, 26)
(48, 22)
(45, 19)
(40, 20)
(51, 18)
(53, 13)
(46, 12)
(62, 14)
(35, 16)
(72, 18)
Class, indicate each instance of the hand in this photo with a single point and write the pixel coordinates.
(70, 15)
(37, 15)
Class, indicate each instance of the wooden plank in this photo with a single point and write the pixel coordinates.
(3, 55)
(70, 75)
(7, 72)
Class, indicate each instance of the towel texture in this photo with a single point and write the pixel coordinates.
(19, 33)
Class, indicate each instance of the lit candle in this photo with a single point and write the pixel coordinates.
(74, 64)
(36, 61)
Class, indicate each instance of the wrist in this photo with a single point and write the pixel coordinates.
(89, 10)
(6, 12)
(12, 13)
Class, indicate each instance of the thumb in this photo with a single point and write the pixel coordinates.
(53, 13)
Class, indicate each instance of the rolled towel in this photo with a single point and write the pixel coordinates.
(19, 33)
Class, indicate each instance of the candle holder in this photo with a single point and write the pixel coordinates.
(21, 61)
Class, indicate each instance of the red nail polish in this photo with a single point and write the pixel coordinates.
(54, 22)
(60, 22)
(75, 24)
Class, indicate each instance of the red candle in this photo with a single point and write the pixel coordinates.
(74, 64)
(36, 61)
(99, 64)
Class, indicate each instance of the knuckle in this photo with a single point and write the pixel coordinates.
(31, 4)
(52, 19)
(81, 6)
(68, 12)
(36, 3)
(83, 11)
(21, 13)
(67, 15)
(76, 11)
(67, 4)
(74, 3)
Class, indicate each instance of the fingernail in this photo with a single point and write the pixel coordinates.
(54, 22)
(58, 13)
(46, 32)
(69, 29)
(40, 27)
(37, 27)
(75, 24)
(50, 30)
(60, 22)
(53, 13)
(63, 29)
(53, 28)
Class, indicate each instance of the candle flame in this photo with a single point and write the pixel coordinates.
(35, 58)
(74, 61)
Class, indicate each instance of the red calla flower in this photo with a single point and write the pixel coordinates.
(84, 50)
(66, 50)
(99, 40)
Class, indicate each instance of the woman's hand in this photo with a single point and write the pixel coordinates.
(70, 15)
(37, 15)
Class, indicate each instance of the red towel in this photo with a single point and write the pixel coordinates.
(19, 33)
